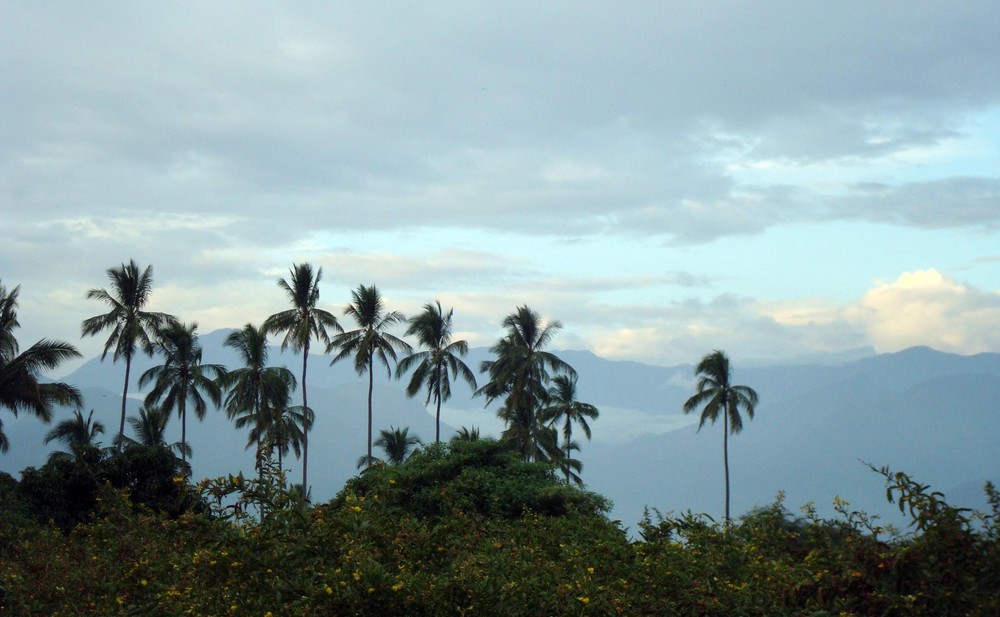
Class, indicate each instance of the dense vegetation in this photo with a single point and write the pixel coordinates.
(471, 528)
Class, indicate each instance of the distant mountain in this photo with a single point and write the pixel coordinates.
(931, 414)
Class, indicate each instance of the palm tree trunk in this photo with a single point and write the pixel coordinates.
(183, 404)
(371, 382)
(305, 433)
(437, 418)
(569, 437)
(725, 457)
(121, 425)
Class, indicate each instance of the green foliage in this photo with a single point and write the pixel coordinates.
(483, 477)
(65, 491)
(20, 389)
(472, 529)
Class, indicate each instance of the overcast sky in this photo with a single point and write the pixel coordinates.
(776, 179)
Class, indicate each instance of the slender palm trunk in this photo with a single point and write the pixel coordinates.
(371, 383)
(260, 443)
(437, 418)
(260, 459)
(183, 404)
(569, 439)
(725, 456)
(121, 425)
(305, 433)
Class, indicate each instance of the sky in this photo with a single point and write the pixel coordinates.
(782, 180)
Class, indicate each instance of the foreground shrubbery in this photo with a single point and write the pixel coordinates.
(473, 530)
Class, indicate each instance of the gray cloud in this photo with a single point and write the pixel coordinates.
(224, 142)
(394, 116)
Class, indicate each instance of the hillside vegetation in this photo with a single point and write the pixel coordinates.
(469, 528)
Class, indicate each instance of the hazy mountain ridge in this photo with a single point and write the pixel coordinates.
(932, 414)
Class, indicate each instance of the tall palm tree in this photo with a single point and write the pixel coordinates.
(562, 405)
(76, 433)
(397, 444)
(370, 341)
(183, 378)
(256, 390)
(432, 327)
(302, 323)
(20, 389)
(131, 326)
(520, 374)
(716, 394)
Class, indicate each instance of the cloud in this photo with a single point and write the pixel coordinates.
(684, 331)
(946, 203)
(476, 118)
(449, 151)
(925, 307)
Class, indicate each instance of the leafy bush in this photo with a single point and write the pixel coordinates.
(471, 530)
(64, 491)
(480, 477)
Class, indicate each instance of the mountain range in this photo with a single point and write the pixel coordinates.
(933, 415)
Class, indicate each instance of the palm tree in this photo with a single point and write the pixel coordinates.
(256, 390)
(520, 373)
(150, 429)
(76, 433)
(466, 434)
(432, 327)
(20, 389)
(525, 431)
(717, 394)
(570, 466)
(131, 326)
(182, 378)
(562, 405)
(397, 444)
(301, 323)
(287, 430)
(369, 341)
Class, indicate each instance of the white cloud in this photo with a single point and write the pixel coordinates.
(925, 307)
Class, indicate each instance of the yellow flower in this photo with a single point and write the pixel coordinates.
(268, 614)
(590, 570)
(371, 590)
(397, 586)
(143, 582)
(328, 590)
(583, 599)
(356, 508)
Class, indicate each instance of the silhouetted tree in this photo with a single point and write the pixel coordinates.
(716, 394)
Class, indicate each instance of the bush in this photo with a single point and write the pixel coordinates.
(472, 530)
